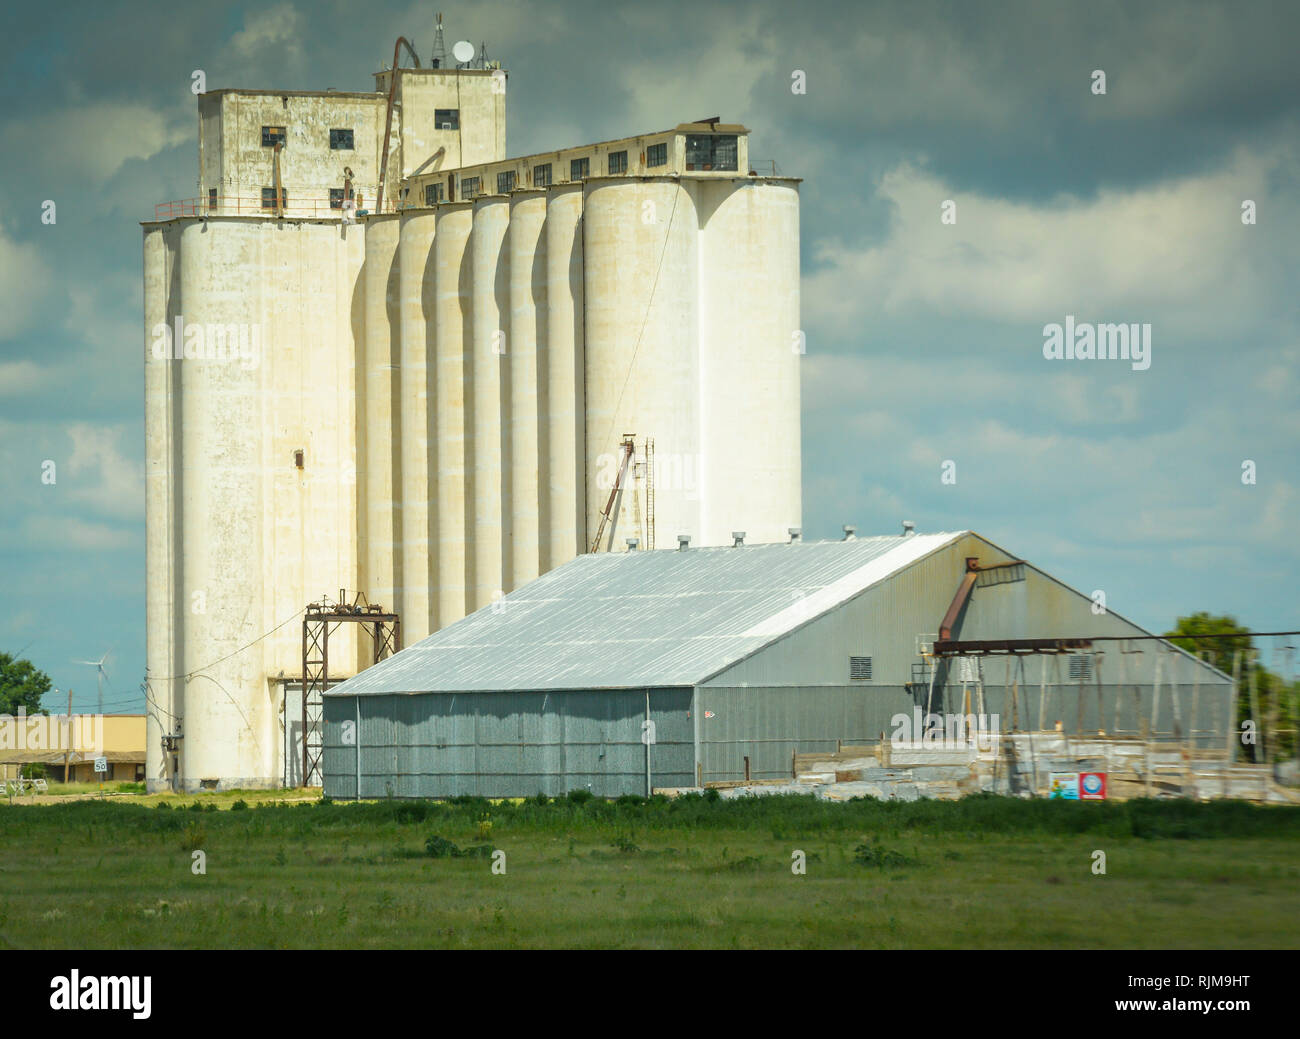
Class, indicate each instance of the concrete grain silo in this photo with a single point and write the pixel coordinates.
(437, 415)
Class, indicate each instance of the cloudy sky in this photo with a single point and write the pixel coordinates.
(925, 338)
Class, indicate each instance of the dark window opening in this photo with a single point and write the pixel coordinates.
(505, 182)
(617, 162)
(469, 187)
(579, 168)
(268, 198)
(272, 135)
(341, 140)
(337, 197)
(446, 118)
(542, 175)
(212, 198)
(711, 151)
(432, 194)
(657, 155)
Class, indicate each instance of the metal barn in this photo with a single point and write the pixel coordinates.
(629, 672)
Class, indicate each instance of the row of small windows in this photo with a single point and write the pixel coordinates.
(340, 139)
(706, 152)
(345, 139)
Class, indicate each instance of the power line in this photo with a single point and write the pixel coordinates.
(190, 674)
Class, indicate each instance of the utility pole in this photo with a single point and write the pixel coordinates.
(67, 742)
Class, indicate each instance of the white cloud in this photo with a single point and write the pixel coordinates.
(276, 34)
(1176, 251)
(20, 378)
(93, 140)
(24, 280)
(71, 532)
(101, 476)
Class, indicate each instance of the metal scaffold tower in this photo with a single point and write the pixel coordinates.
(385, 630)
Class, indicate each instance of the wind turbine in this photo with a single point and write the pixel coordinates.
(100, 676)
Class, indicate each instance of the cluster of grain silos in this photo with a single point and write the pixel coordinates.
(512, 341)
(434, 418)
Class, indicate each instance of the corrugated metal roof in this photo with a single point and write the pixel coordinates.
(637, 619)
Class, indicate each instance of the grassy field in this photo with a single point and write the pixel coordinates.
(985, 872)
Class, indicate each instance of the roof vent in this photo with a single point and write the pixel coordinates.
(850, 532)
(737, 538)
(632, 544)
(795, 533)
(909, 528)
(683, 541)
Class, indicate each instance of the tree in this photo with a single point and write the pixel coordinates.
(21, 685)
(1275, 695)
(1216, 651)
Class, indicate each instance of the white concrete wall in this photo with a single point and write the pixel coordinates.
(749, 364)
(416, 265)
(378, 454)
(249, 538)
(491, 309)
(565, 531)
(453, 280)
(527, 343)
(164, 602)
(641, 285)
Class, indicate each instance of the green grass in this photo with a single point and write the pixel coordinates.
(110, 787)
(985, 872)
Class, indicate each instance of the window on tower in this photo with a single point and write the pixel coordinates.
(617, 162)
(272, 135)
(657, 154)
(711, 151)
(341, 140)
(446, 118)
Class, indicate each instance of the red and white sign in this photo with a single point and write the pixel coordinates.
(1092, 786)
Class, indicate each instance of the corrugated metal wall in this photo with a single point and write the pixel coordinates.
(497, 744)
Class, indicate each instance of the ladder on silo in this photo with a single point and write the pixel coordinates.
(649, 492)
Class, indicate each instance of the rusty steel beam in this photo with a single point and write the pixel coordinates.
(388, 118)
(959, 600)
(979, 647)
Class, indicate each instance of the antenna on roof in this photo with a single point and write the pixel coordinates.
(463, 52)
(439, 59)
(482, 56)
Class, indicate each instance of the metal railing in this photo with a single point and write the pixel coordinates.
(234, 205)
